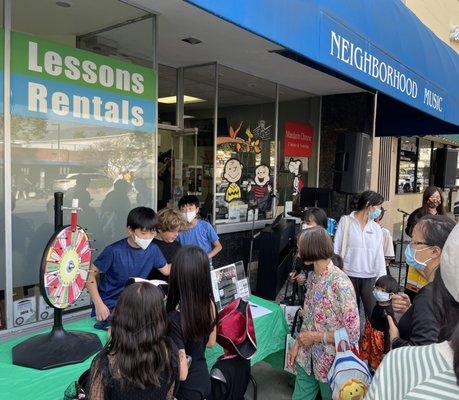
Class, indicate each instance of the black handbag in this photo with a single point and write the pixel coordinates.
(296, 296)
(297, 323)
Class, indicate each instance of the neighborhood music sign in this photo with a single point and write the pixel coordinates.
(358, 58)
(58, 82)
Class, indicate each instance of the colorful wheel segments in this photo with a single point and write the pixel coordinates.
(66, 266)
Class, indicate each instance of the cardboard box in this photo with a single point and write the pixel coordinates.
(24, 311)
(45, 311)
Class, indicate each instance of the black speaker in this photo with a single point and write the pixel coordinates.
(275, 245)
(445, 167)
(316, 197)
(351, 162)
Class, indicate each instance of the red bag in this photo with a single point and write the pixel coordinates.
(235, 329)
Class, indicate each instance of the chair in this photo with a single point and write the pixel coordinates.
(230, 379)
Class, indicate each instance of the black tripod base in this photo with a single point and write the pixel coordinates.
(56, 349)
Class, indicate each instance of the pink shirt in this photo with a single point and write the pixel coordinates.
(329, 304)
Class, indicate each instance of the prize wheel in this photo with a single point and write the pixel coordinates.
(65, 266)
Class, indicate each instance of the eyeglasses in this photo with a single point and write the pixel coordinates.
(418, 243)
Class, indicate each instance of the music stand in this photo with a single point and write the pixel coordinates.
(402, 239)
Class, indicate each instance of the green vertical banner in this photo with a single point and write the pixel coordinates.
(59, 82)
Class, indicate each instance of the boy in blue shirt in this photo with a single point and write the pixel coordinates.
(134, 256)
(200, 233)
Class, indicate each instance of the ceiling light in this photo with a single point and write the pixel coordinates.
(188, 116)
(192, 40)
(186, 100)
(64, 4)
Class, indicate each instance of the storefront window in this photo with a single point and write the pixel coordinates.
(197, 141)
(297, 143)
(424, 164)
(246, 147)
(407, 165)
(167, 95)
(83, 123)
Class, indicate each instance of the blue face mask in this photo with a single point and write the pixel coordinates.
(374, 214)
(380, 296)
(410, 257)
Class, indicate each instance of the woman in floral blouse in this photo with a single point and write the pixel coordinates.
(329, 304)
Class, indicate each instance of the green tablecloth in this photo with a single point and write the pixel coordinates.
(19, 383)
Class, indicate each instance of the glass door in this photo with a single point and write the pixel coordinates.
(178, 172)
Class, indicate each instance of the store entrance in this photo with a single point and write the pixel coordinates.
(178, 169)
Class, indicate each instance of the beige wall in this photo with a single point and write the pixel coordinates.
(375, 149)
(406, 202)
(438, 15)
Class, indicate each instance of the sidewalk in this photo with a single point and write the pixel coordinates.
(272, 384)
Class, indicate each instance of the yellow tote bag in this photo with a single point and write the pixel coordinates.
(415, 281)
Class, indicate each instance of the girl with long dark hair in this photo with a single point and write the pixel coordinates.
(192, 317)
(432, 204)
(139, 361)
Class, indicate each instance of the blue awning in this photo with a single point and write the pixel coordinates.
(380, 44)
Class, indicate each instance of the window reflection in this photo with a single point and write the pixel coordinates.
(425, 154)
(109, 171)
(408, 158)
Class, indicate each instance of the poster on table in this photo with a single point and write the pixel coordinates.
(229, 283)
(289, 342)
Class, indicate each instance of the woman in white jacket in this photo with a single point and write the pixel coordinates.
(359, 241)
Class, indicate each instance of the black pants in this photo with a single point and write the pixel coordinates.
(364, 291)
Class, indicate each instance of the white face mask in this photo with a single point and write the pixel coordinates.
(143, 243)
(190, 215)
(381, 296)
(305, 226)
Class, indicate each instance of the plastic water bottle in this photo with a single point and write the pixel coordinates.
(331, 226)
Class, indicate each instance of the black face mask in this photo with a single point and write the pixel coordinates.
(433, 204)
(307, 267)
